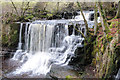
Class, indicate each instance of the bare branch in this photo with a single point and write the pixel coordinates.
(22, 8)
(79, 31)
(14, 7)
(86, 24)
(95, 19)
(27, 6)
(101, 17)
(118, 12)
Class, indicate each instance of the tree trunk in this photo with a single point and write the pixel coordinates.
(22, 8)
(86, 25)
(27, 6)
(14, 7)
(79, 31)
(95, 19)
(102, 17)
(57, 6)
(118, 11)
(119, 30)
(45, 7)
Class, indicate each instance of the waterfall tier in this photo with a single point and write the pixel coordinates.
(47, 43)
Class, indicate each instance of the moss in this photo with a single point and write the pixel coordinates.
(114, 24)
(29, 17)
(88, 49)
(109, 37)
(10, 37)
(43, 16)
(14, 26)
(108, 63)
(94, 62)
(111, 66)
(68, 77)
(13, 39)
(102, 49)
(98, 59)
(95, 50)
(14, 34)
(49, 15)
(4, 40)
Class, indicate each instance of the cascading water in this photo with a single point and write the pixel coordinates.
(46, 43)
(26, 32)
(117, 77)
(18, 52)
(20, 42)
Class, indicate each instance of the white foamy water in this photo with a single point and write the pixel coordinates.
(89, 16)
(19, 51)
(37, 64)
(46, 43)
(20, 41)
(117, 77)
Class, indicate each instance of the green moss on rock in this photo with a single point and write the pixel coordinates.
(10, 35)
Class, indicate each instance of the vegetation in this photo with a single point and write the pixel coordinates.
(100, 47)
(86, 24)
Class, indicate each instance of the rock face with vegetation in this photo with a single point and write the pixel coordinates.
(10, 35)
(106, 58)
(102, 49)
(107, 61)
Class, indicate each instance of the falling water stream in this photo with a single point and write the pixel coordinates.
(46, 43)
(117, 77)
(19, 50)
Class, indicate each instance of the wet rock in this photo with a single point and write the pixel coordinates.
(118, 75)
(78, 58)
(7, 53)
(9, 66)
(62, 72)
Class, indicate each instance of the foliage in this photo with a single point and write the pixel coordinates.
(68, 77)
(86, 24)
(49, 15)
(27, 17)
(10, 38)
(114, 24)
(105, 56)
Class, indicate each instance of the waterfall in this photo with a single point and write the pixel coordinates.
(19, 51)
(46, 43)
(118, 75)
(20, 41)
(26, 32)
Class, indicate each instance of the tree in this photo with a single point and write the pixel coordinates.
(118, 11)
(26, 8)
(40, 6)
(57, 6)
(45, 6)
(95, 19)
(22, 9)
(14, 7)
(85, 21)
(103, 19)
